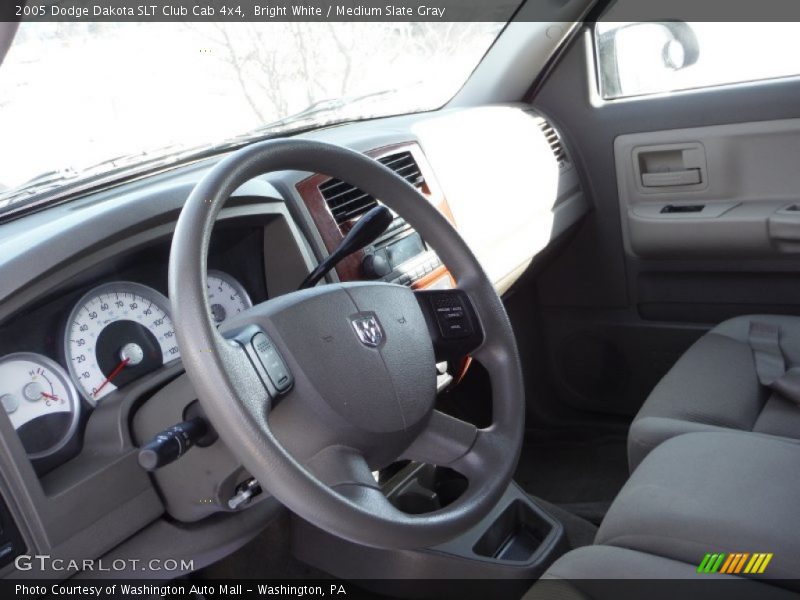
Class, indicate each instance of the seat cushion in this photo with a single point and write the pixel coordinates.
(585, 573)
(712, 492)
(714, 386)
(610, 562)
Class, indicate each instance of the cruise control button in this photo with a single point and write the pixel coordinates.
(451, 316)
(271, 360)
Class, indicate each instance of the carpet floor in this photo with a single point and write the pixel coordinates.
(580, 472)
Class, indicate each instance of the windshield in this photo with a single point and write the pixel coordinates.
(82, 99)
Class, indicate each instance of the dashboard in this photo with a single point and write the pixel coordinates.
(93, 336)
(90, 371)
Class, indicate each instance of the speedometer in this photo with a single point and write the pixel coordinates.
(117, 333)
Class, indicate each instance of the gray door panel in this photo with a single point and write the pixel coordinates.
(635, 288)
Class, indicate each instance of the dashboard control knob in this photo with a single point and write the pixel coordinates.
(132, 354)
(10, 402)
(375, 266)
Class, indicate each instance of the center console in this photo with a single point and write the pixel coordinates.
(517, 540)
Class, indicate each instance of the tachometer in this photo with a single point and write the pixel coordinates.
(226, 296)
(40, 401)
(117, 333)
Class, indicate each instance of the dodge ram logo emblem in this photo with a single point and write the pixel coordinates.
(368, 329)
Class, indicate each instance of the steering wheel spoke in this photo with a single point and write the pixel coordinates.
(258, 349)
(444, 441)
(341, 466)
(345, 470)
(451, 442)
(452, 322)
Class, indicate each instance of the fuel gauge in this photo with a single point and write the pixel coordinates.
(40, 400)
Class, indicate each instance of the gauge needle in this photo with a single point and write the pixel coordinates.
(111, 375)
(49, 396)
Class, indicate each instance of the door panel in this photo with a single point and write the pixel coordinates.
(727, 190)
(636, 286)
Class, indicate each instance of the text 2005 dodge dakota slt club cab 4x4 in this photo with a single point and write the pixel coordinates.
(436, 300)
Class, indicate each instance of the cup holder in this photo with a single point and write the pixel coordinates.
(515, 535)
(425, 488)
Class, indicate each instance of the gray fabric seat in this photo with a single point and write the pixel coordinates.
(713, 492)
(714, 386)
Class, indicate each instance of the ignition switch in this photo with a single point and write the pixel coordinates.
(245, 492)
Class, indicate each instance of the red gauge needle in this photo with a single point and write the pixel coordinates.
(49, 396)
(111, 375)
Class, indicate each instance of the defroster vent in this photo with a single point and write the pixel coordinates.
(554, 141)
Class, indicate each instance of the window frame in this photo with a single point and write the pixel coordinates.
(597, 91)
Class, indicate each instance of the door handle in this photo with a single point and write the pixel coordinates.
(672, 178)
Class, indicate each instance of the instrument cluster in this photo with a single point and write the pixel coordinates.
(115, 334)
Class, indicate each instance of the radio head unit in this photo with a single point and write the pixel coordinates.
(399, 256)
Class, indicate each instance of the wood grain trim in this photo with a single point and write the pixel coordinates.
(350, 268)
(432, 278)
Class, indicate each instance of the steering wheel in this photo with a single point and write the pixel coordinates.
(314, 390)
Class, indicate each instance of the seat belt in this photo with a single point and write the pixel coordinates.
(788, 386)
(764, 340)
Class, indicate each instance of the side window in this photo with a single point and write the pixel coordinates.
(636, 59)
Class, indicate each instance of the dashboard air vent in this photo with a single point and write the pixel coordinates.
(554, 141)
(348, 202)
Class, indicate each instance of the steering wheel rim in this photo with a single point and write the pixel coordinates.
(331, 486)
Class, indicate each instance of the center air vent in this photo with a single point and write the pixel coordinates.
(347, 202)
(554, 141)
